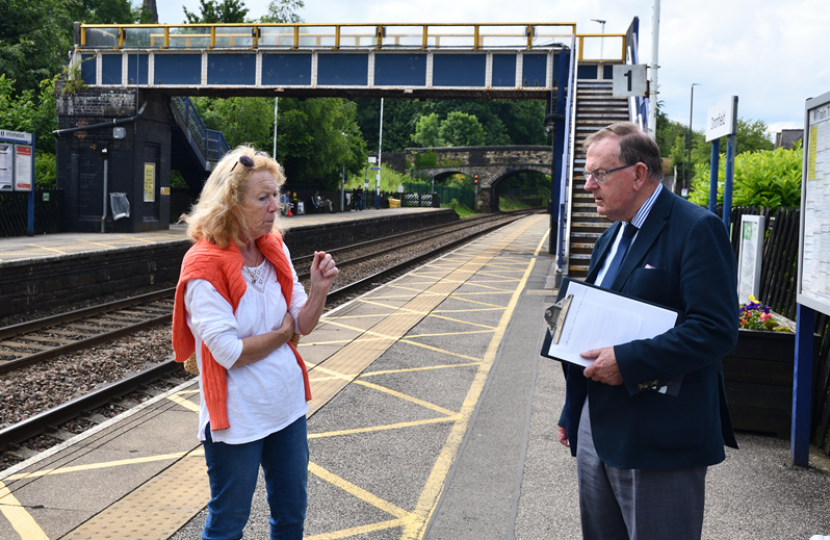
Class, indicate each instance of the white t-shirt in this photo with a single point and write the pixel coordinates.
(263, 397)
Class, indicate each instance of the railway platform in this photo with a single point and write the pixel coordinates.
(433, 417)
(20, 248)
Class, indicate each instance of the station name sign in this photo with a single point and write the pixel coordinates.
(720, 120)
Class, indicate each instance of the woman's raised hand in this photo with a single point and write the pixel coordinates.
(323, 270)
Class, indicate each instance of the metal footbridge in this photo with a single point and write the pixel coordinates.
(444, 61)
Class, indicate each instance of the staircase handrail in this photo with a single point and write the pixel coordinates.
(563, 247)
(639, 111)
(210, 144)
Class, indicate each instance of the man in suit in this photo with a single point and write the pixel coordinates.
(648, 417)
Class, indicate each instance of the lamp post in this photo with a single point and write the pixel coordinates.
(343, 181)
(689, 160)
(602, 40)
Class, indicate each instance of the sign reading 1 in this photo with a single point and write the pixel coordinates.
(629, 80)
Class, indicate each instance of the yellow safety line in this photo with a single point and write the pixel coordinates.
(184, 402)
(404, 397)
(413, 336)
(358, 492)
(435, 484)
(454, 296)
(487, 326)
(136, 238)
(372, 429)
(467, 310)
(337, 341)
(102, 465)
(354, 531)
(48, 249)
(442, 351)
(410, 370)
(19, 517)
(97, 243)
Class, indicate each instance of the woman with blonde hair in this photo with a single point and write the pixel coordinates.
(238, 304)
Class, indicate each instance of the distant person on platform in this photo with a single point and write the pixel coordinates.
(285, 204)
(238, 305)
(358, 197)
(641, 452)
(321, 203)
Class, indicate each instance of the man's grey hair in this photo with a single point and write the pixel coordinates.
(635, 146)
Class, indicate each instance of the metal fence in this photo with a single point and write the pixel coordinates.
(14, 212)
(446, 194)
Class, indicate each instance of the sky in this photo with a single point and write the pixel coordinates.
(772, 54)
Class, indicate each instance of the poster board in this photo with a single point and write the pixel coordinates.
(6, 166)
(149, 182)
(750, 256)
(814, 238)
(23, 168)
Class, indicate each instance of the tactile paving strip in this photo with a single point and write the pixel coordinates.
(156, 510)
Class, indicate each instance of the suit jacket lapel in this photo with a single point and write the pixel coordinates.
(656, 220)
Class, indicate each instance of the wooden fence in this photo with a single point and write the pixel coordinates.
(779, 283)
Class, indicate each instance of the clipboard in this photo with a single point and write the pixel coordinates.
(587, 317)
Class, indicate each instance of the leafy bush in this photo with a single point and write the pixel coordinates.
(46, 169)
(426, 160)
(770, 179)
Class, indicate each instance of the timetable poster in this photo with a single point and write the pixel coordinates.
(815, 254)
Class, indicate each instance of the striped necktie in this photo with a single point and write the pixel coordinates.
(628, 233)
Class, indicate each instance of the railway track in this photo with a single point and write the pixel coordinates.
(56, 336)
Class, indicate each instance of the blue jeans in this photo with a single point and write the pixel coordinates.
(233, 470)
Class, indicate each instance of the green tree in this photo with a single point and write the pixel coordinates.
(29, 113)
(101, 11)
(426, 131)
(283, 11)
(461, 129)
(217, 11)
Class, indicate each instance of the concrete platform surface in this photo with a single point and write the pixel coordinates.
(49, 245)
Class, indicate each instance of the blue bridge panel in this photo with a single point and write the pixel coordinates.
(584, 71)
(178, 69)
(400, 69)
(343, 69)
(534, 70)
(459, 69)
(111, 68)
(504, 70)
(287, 69)
(231, 69)
(88, 68)
(142, 69)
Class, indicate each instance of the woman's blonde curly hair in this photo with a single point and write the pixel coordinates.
(218, 215)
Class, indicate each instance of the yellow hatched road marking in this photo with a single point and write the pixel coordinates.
(399, 395)
(372, 429)
(358, 492)
(463, 299)
(436, 349)
(47, 249)
(410, 370)
(413, 336)
(19, 517)
(487, 326)
(354, 531)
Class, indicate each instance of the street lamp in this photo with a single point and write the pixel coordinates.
(691, 107)
(343, 181)
(602, 40)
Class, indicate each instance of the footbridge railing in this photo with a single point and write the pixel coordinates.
(208, 144)
(454, 61)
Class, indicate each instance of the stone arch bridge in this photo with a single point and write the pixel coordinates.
(493, 164)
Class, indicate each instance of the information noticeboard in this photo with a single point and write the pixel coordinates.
(23, 166)
(749, 259)
(814, 241)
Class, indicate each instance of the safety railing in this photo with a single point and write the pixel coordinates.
(210, 143)
(639, 107)
(334, 36)
(563, 246)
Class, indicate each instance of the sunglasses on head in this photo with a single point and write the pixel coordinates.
(247, 161)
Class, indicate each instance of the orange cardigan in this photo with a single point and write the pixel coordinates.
(223, 269)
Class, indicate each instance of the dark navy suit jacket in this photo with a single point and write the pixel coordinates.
(680, 259)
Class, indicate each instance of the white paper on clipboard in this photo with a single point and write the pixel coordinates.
(602, 318)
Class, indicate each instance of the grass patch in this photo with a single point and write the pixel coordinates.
(509, 203)
(461, 210)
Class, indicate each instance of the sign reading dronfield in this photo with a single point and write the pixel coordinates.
(720, 120)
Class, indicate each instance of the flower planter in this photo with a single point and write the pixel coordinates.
(759, 381)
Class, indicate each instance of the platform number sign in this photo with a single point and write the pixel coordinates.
(629, 80)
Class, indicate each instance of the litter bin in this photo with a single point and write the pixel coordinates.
(300, 208)
(394, 203)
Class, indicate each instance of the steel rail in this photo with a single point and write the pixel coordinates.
(43, 422)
